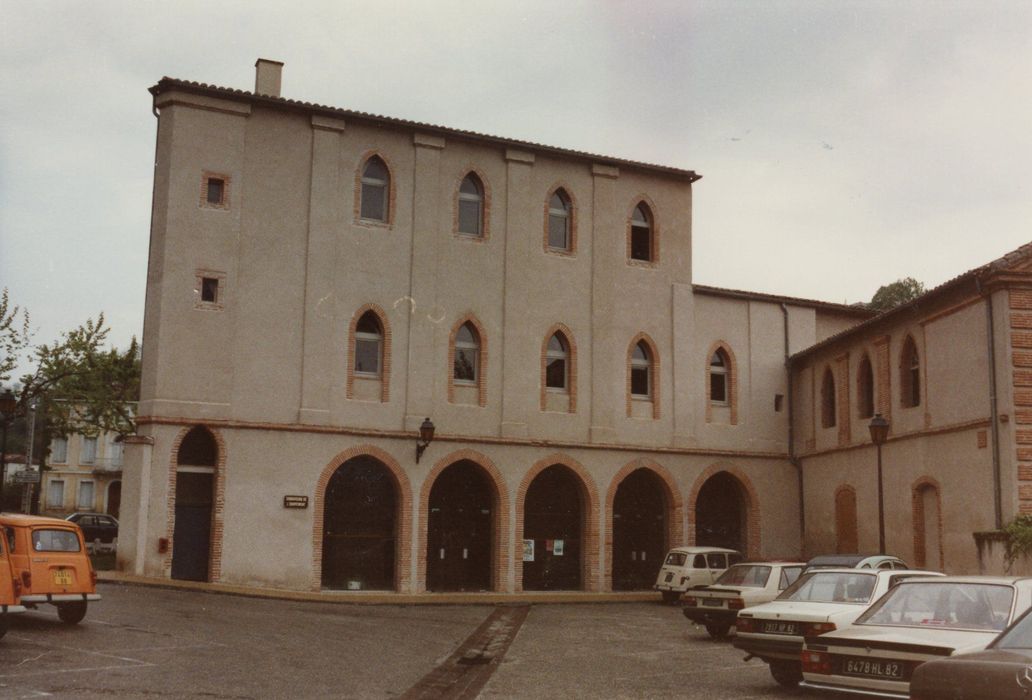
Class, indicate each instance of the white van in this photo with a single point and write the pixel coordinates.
(687, 567)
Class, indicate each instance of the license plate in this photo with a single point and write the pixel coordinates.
(63, 577)
(873, 668)
(780, 628)
(713, 603)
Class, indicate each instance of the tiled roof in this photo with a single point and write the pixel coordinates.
(1002, 263)
(167, 83)
(854, 310)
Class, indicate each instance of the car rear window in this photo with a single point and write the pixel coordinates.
(950, 605)
(55, 541)
(717, 561)
(676, 558)
(747, 575)
(831, 587)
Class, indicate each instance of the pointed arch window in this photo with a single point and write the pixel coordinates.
(910, 375)
(719, 365)
(471, 206)
(642, 241)
(828, 399)
(557, 363)
(466, 369)
(368, 345)
(376, 181)
(641, 371)
(865, 388)
(560, 221)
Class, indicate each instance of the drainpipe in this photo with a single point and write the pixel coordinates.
(994, 423)
(791, 433)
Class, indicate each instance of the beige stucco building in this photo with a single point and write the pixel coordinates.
(321, 281)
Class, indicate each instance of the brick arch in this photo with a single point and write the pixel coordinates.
(675, 508)
(653, 373)
(218, 505)
(732, 380)
(589, 533)
(920, 536)
(847, 536)
(481, 384)
(568, 191)
(403, 525)
(485, 211)
(385, 360)
(392, 189)
(643, 198)
(500, 565)
(571, 370)
(752, 505)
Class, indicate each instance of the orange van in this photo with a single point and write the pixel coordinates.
(10, 588)
(49, 558)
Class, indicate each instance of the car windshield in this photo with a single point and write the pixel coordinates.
(748, 575)
(1017, 637)
(55, 541)
(950, 605)
(831, 587)
(676, 558)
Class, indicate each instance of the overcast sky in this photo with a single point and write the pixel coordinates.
(843, 145)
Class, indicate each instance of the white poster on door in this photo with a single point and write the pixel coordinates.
(528, 550)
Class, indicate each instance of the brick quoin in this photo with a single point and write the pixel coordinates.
(1025, 454)
(1023, 397)
(1023, 415)
(500, 526)
(1022, 358)
(752, 506)
(1025, 472)
(1020, 299)
(883, 379)
(589, 517)
(218, 506)
(1023, 377)
(842, 413)
(674, 506)
(402, 521)
(1021, 320)
(1021, 339)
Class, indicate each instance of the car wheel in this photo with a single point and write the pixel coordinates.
(72, 613)
(786, 673)
(671, 597)
(717, 629)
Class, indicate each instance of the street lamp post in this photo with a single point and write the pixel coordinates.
(879, 428)
(8, 403)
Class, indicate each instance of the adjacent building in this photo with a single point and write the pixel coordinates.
(323, 282)
(84, 474)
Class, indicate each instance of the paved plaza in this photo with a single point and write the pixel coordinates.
(145, 642)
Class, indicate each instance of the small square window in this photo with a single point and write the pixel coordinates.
(210, 290)
(216, 191)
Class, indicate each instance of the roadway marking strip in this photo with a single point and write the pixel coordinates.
(463, 674)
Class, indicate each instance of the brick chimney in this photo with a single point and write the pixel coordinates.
(267, 75)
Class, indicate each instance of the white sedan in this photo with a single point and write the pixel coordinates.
(918, 620)
(822, 600)
(741, 586)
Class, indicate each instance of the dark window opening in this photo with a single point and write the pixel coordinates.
(641, 367)
(559, 222)
(553, 520)
(865, 389)
(216, 191)
(641, 234)
(718, 377)
(210, 290)
(639, 531)
(555, 363)
(368, 345)
(828, 400)
(375, 190)
(467, 354)
(471, 207)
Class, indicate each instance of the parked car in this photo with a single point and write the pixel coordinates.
(686, 567)
(98, 529)
(821, 600)
(856, 561)
(918, 620)
(48, 555)
(741, 586)
(10, 589)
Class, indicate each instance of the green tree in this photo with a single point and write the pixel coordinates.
(889, 296)
(14, 336)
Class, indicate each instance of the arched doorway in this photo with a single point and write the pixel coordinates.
(195, 488)
(359, 527)
(460, 529)
(554, 521)
(639, 530)
(720, 513)
(114, 498)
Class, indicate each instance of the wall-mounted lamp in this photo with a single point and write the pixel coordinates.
(426, 436)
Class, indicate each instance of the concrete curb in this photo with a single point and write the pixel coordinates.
(380, 597)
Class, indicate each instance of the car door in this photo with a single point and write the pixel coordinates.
(717, 563)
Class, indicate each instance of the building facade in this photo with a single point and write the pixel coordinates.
(84, 474)
(322, 281)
